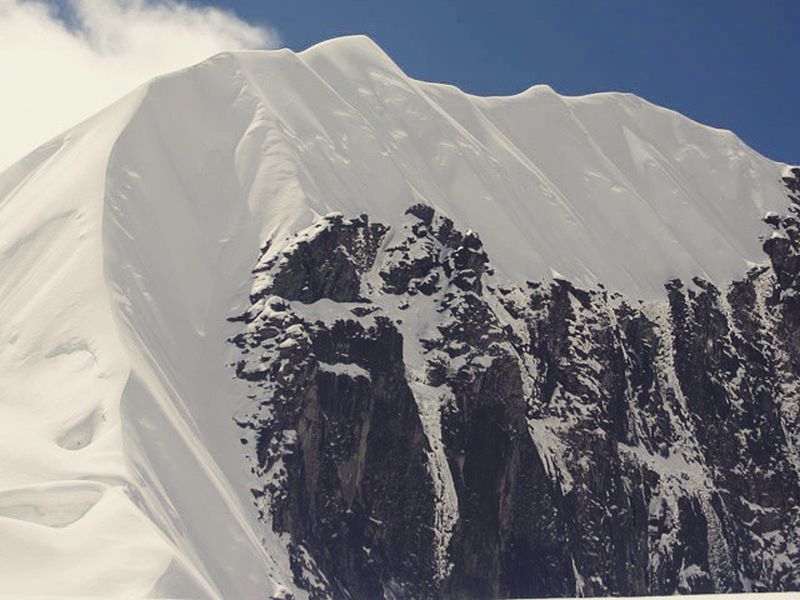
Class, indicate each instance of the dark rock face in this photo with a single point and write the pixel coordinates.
(328, 264)
(418, 430)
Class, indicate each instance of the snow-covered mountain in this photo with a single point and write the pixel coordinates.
(299, 325)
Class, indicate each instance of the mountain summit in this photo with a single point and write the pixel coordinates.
(297, 325)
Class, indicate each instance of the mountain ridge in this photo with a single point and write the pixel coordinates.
(129, 241)
(349, 45)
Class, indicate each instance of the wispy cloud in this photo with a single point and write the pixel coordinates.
(61, 63)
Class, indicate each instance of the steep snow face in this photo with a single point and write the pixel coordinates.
(126, 243)
(599, 188)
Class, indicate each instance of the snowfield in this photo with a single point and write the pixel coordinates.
(127, 242)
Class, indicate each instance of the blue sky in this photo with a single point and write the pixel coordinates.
(731, 64)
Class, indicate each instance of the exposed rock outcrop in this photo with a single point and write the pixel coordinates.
(418, 429)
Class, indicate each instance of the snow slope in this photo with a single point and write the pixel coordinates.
(126, 242)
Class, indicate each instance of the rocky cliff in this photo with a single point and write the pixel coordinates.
(418, 429)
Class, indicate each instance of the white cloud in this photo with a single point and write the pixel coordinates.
(57, 67)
